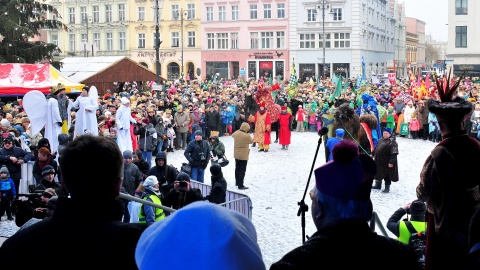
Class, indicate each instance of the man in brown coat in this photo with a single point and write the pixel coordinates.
(241, 150)
(422, 116)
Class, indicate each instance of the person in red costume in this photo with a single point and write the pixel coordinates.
(263, 126)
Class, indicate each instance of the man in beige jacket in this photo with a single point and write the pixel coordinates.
(241, 150)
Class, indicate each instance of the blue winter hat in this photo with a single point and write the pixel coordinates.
(353, 173)
(389, 130)
(207, 229)
(339, 132)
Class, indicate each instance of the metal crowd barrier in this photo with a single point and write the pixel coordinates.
(234, 200)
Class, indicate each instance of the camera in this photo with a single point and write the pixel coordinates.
(202, 156)
(182, 184)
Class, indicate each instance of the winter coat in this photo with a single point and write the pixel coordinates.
(44, 184)
(241, 142)
(194, 152)
(181, 120)
(132, 177)
(263, 128)
(338, 246)
(386, 153)
(166, 174)
(285, 134)
(175, 199)
(213, 120)
(114, 241)
(19, 153)
(217, 147)
(219, 190)
(422, 115)
(451, 193)
(148, 137)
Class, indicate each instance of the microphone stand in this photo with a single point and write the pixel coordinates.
(303, 207)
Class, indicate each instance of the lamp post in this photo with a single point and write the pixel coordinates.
(323, 36)
(157, 44)
(181, 40)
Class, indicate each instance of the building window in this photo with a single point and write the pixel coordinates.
(253, 12)
(337, 14)
(96, 40)
(311, 15)
(210, 41)
(307, 41)
(141, 14)
(281, 10)
(191, 11)
(83, 13)
(122, 41)
(96, 14)
(54, 39)
(234, 41)
(84, 37)
(267, 11)
(71, 43)
(222, 13)
(71, 15)
(234, 13)
(109, 38)
(267, 40)
(141, 40)
(209, 14)
(108, 13)
(175, 12)
(341, 40)
(222, 41)
(121, 12)
(253, 40)
(280, 40)
(327, 41)
(175, 39)
(461, 7)
(191, 38)
(460, 36)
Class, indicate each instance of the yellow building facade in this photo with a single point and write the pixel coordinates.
(127, 28)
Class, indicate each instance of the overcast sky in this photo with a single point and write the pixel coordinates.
(433, 12)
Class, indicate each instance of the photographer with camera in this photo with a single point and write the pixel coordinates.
(182, 193)
(166, 174)
(198, 155)
(397, 226)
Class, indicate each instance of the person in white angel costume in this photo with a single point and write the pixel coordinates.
(124, 118)
(86, 119)
(47, 112)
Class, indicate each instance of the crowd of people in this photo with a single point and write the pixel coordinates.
(135, 130)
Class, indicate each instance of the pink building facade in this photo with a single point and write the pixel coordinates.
(245, 39)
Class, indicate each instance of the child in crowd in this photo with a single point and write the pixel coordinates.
(7, 193)
(171, 137)
(414, 126)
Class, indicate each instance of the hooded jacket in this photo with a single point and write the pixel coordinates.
(165, 174)
(241, 142)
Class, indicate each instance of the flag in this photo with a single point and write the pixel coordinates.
(346, 81)
(338, 89)
(427, 81)
(293, 76)
(364, 76)
(419, 80)
(271, 79)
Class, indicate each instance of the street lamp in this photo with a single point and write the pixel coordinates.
(323, 38)
(182, 15)
(157, 43)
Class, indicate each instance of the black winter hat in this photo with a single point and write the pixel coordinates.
(161, 155)
(181, 176)
(215, 169)
(48, 169)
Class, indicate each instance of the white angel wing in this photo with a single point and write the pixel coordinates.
(93, 92)
(35, 105)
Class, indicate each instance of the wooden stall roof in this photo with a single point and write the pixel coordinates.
(103, 74)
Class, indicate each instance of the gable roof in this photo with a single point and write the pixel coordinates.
(82, 68)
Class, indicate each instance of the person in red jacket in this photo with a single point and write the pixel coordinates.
(300, 117)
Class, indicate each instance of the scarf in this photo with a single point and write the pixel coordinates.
(42, 164)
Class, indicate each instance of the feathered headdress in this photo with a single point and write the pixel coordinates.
(450, 107)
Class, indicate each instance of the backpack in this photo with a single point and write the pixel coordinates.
(418, 241)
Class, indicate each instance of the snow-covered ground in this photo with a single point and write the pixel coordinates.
(277, 181)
